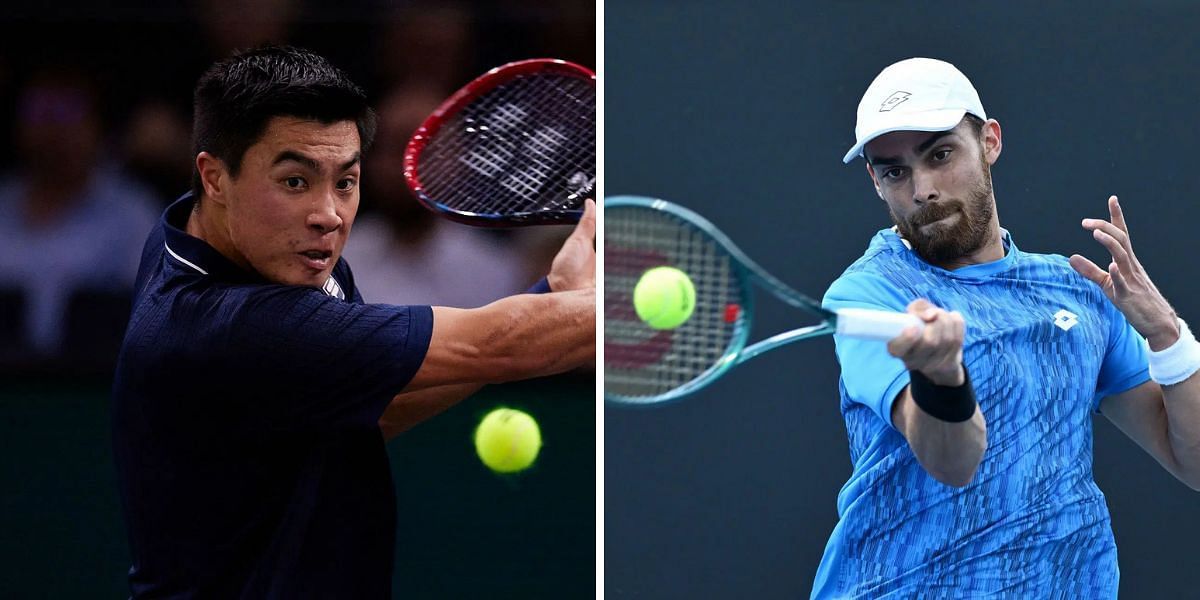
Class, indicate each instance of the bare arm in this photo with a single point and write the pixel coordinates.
(949, 451)
(1164, 421)
(519, 337)
(410, 408)
(525, 336)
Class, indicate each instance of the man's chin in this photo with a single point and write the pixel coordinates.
(307, 278)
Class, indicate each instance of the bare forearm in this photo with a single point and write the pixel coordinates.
(519, 337)
(942, 423)
(410, 408)
(949, 452)
(1182, 408)
(543, 335)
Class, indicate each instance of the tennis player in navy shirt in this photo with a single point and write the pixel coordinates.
(255, 388)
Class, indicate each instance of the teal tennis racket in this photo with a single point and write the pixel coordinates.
(643, 365)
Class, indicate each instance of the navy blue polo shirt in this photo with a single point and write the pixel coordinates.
(245, 427)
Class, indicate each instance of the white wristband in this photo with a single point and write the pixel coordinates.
(1178, 361)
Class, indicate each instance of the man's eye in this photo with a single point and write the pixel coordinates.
(346, 185)
(893, 173)
(294, 182)
(941, 155)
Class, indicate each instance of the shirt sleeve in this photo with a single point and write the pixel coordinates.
(1126, 361)
(870, 375)
(315, 362)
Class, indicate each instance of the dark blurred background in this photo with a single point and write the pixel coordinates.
(95, 118)
(742, 111)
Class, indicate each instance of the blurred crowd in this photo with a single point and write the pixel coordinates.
(96, 104)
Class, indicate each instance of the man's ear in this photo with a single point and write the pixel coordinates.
(992, 141)
(214, 176)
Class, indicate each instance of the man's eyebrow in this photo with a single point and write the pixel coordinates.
(311, 163)
(921, 148)
(294, 156)
(933, 140)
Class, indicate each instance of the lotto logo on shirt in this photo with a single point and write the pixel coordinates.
(1065, 319)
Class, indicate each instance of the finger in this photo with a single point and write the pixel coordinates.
(1107, 227)
(918, 307)
(945, 339)
(1089, 269)
(958, 333)
(1118, 279)
(954, 328)
(1119, 253)
(900, 345)
(925, 348)
(1117, 215)
(586, 228)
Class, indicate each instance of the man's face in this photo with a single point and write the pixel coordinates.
(291, 206)
(938, 187)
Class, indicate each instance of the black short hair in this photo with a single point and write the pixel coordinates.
(237, 96)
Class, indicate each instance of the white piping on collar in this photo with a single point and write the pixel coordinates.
(897, 231)
(183, 260)
(331, 288)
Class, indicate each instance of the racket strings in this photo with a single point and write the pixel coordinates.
(527, 145)
(643, 362)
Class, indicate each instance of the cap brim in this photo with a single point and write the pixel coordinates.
(932, 120)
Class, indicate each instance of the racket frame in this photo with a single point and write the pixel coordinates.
(746, 272)
(479, 86)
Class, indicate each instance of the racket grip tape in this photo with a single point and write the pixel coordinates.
(870, 324)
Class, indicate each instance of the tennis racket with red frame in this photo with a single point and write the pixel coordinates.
(516, 146)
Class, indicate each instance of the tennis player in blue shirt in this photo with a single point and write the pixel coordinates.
(972, 439)
(255, 388)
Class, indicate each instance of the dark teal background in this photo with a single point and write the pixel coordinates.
(462, 531)
(742, 111)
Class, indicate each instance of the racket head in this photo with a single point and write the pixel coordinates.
(644, 366)
(514, 147)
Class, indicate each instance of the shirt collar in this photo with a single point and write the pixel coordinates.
(195, 255)
(979, 271)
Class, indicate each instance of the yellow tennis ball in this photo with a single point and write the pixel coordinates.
(507, 440)
(664, 297)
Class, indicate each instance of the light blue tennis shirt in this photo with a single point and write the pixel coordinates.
(1043, 346)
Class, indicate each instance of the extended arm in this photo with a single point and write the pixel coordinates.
(518, 337)
(948, 447)
(514, 338)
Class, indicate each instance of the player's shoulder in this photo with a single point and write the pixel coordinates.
(884, 253)
(1049, 267)
(877, 277)
(1046, 260)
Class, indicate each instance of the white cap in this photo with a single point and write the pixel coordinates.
(917, 94)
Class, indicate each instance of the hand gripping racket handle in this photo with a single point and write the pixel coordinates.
(870, 324)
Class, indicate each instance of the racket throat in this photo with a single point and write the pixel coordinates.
(783, 339)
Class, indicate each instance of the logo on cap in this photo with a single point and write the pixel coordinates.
(893, 100)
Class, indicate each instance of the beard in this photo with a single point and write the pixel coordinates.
(948, 243)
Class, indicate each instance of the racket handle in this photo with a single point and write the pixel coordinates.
(871, 324)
